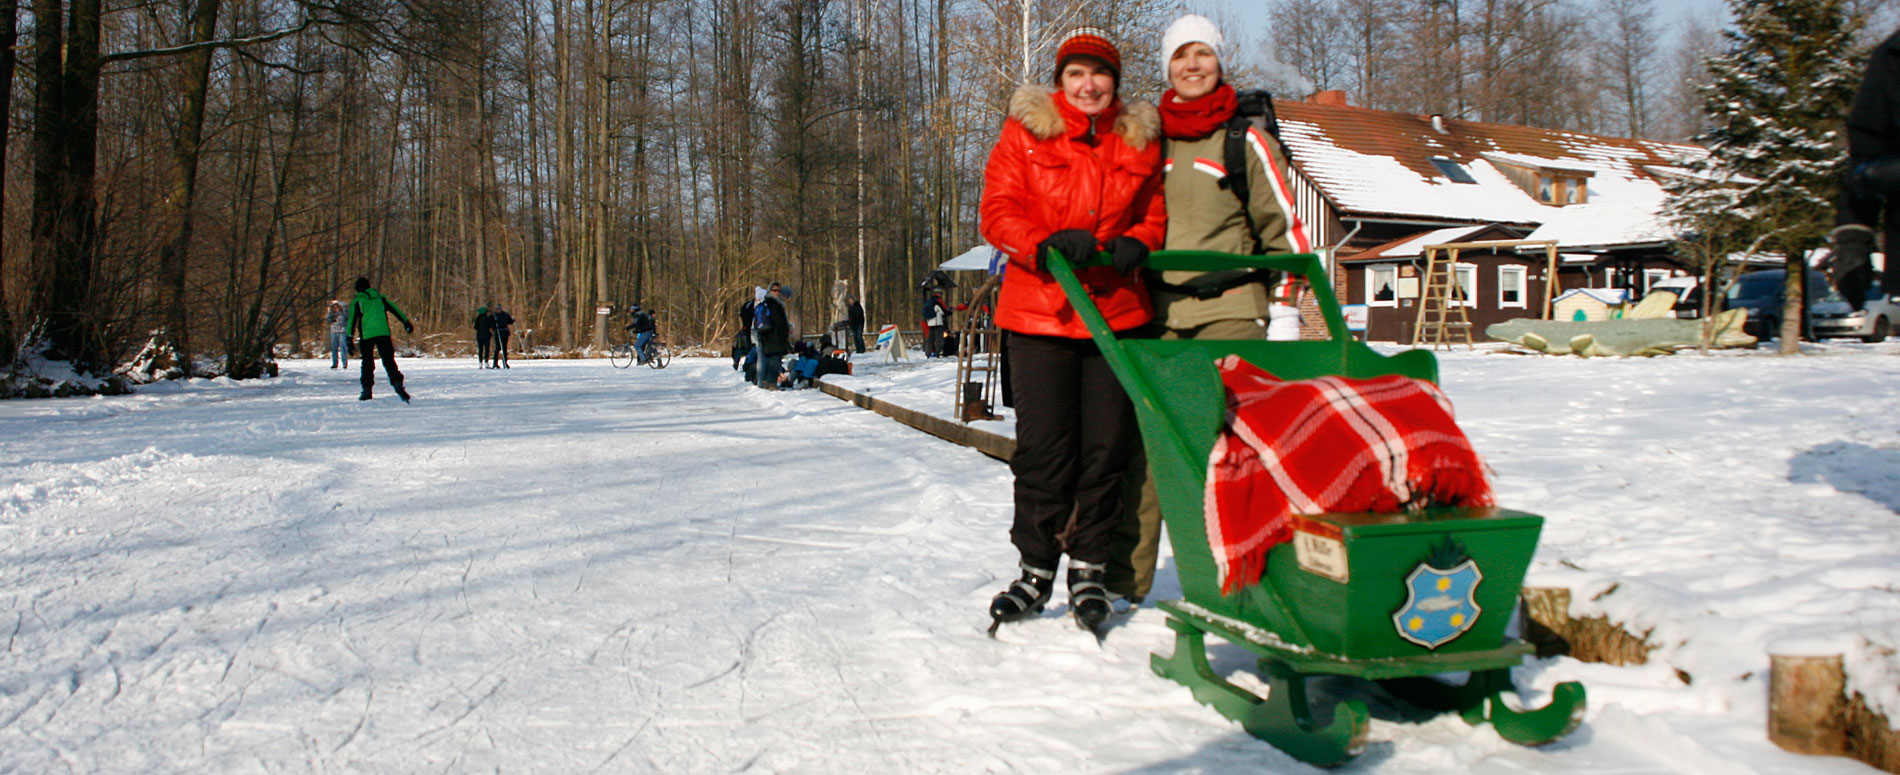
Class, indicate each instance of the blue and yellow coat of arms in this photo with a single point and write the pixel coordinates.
(1440, 598)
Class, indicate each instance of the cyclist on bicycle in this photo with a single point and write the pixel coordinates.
(643, 329)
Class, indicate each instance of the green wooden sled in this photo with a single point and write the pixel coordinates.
(1393, 598)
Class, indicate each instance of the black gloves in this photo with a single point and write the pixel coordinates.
(408, 327)
(1851, 268)
(1076, 245)
(1129, 254)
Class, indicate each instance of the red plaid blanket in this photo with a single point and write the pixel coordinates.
(1323, 445)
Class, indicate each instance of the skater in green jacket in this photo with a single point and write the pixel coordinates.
(369, 319)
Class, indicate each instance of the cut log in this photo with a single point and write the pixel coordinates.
(1809, 711)
(1807, 704)
(1548, 625)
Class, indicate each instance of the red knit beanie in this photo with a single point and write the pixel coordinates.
(1092, 42)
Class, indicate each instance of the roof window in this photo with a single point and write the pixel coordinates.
(1453, 170)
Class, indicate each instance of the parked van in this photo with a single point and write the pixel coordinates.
(1760, 292)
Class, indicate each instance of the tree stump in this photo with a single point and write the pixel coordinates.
(1809, 712)
(1807, 704)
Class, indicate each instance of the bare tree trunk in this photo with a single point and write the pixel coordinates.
(65, 141)
(9, 36)
(192, 88)
(531, 28)
(566, 228)
(1794, 304)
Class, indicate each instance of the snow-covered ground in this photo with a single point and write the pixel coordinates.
(567, 568)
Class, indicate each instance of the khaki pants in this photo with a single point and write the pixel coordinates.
(1137, 538)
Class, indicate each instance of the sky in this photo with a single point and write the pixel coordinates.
(1252, 14)
(566, 567)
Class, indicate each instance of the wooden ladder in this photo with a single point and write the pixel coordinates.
(1440, 315)
(980, 357)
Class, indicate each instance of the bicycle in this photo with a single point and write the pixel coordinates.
(658, 354)
(622, 355)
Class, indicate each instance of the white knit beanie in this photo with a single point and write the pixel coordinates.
(1192, 28)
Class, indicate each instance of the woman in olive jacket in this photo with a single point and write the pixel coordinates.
(1075, 169)
(1204, 215)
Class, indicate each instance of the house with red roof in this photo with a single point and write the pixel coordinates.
(1377, 188)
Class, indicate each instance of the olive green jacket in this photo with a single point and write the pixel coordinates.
(1204, 216)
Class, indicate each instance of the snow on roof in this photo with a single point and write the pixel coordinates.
(1415, 245)
(1606, 224)
(1375, 163)
(1523, 160)
(1610, 296)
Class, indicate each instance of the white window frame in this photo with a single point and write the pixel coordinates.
(1650, 276)
(1514, 277)
(1466, 276)
(1391, 272)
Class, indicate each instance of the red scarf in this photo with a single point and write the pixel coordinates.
(1198, 118)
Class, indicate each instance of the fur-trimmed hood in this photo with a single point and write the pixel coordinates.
(1138, 123)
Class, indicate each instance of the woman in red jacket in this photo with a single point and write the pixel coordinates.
(1075, 170)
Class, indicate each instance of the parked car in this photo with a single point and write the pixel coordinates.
(1872, 323)
(1760, 292)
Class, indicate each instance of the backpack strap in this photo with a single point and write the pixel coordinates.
(1236, 179)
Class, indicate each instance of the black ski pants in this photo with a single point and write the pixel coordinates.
(1073, 425)
(482, 352)
(379, 347)
(1870, 196)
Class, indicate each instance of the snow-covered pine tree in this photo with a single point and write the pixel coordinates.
(1775, 105)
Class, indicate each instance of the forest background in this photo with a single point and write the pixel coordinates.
(195, 176)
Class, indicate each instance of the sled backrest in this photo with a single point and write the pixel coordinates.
(1174, 385)
(1180, 404)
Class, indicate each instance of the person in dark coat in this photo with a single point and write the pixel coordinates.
(642, 328)
(774, 331)
(369, 318)
(854, 321)
(1870, 194)
(484, 332)
(504, 323)
(745, 347)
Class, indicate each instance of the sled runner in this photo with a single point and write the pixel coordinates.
(1394, 598)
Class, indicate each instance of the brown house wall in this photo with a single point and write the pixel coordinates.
(1395, 324)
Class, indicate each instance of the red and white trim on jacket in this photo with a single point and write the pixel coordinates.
(1296, 235)
(1210, 167)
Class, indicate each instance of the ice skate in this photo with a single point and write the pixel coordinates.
(1088, 598)
(1025, 597)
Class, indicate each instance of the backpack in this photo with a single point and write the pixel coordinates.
(1253, 110)
(762, 317)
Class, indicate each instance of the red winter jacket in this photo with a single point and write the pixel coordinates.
(1043, 178)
